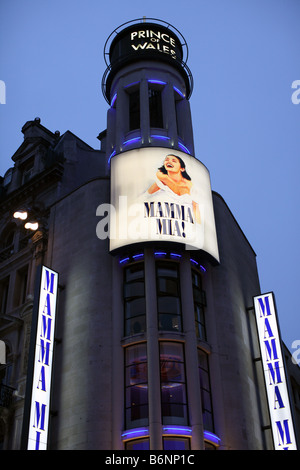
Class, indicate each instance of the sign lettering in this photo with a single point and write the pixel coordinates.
(41, 387)
(274, 373)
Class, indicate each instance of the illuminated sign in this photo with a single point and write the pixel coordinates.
(145, 39)
(274, 372)
(161, 195)
(42, 364)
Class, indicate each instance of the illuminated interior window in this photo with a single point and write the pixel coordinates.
(136, 386)
(134, 299)
(173, 384)
(137, 444)
(206, 399)
(168, 296)
(155, 107)
(176, 443)
(199, 304)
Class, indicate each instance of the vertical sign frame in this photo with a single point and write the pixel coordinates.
(39, 375)
(274, 372)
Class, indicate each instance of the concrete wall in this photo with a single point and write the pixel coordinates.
(240, 404)
(82, 383)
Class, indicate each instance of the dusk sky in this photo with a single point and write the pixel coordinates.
(244, 58)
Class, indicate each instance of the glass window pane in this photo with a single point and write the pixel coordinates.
(136, 353)
(169, 322)
(172, 351)
(134, 289)
(136, 395)
(136, 271)
(168, 305)
(196, 279)
(135, 307)
(134, 110)
(155, 108)
(173, 393)
(174, 443)
(168, 286)
(138, 444)
(136, 374)
(167, 270)
(174, 413)
(136, 416)
(135, 325)
(171, 371)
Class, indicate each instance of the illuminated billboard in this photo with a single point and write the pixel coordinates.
(38, 398)
(161, 195)
(274, 372)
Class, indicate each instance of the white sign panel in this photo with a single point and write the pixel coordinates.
(161, 195)
(274, 372)
(41, 386)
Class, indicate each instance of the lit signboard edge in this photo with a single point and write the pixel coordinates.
(280, 430)
(32, 356)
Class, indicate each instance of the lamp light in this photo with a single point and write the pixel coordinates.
(20, 215)
(31, 225)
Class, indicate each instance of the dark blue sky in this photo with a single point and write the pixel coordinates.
(244, 57)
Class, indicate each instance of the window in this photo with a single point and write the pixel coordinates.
(4, 286)
(27, 170)
(136, 386)
(20, 287)
(199, 303)
(137, 444)
(168, 296)
(155, 108)
(134, 299)
(176, 443)
(205, 391)
(134, 110)
(173, 384)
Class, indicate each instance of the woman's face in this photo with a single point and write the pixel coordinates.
(172, 164)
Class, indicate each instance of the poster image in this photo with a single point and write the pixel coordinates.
(161, 195)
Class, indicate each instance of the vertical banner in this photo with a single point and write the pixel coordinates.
(274, 372)
(38, 388)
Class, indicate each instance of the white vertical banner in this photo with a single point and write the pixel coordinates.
(43, 357)
(274, 372)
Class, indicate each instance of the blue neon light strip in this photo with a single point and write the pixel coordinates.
(138, 432)
(178, 91)
(140, 255)
(130, 141)
(199, 265)
(111, 155)
(161, 137)
(124, 260)
(159, 82)
(184, 148)
(160, 253)
(177, 430)
(113, 100)
(175, 255)
(131, 84)
(212, 437)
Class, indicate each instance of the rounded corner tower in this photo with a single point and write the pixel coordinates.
(147, 83)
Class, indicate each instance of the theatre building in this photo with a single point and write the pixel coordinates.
(131, 315)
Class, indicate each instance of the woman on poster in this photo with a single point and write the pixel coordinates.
(173, 178)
